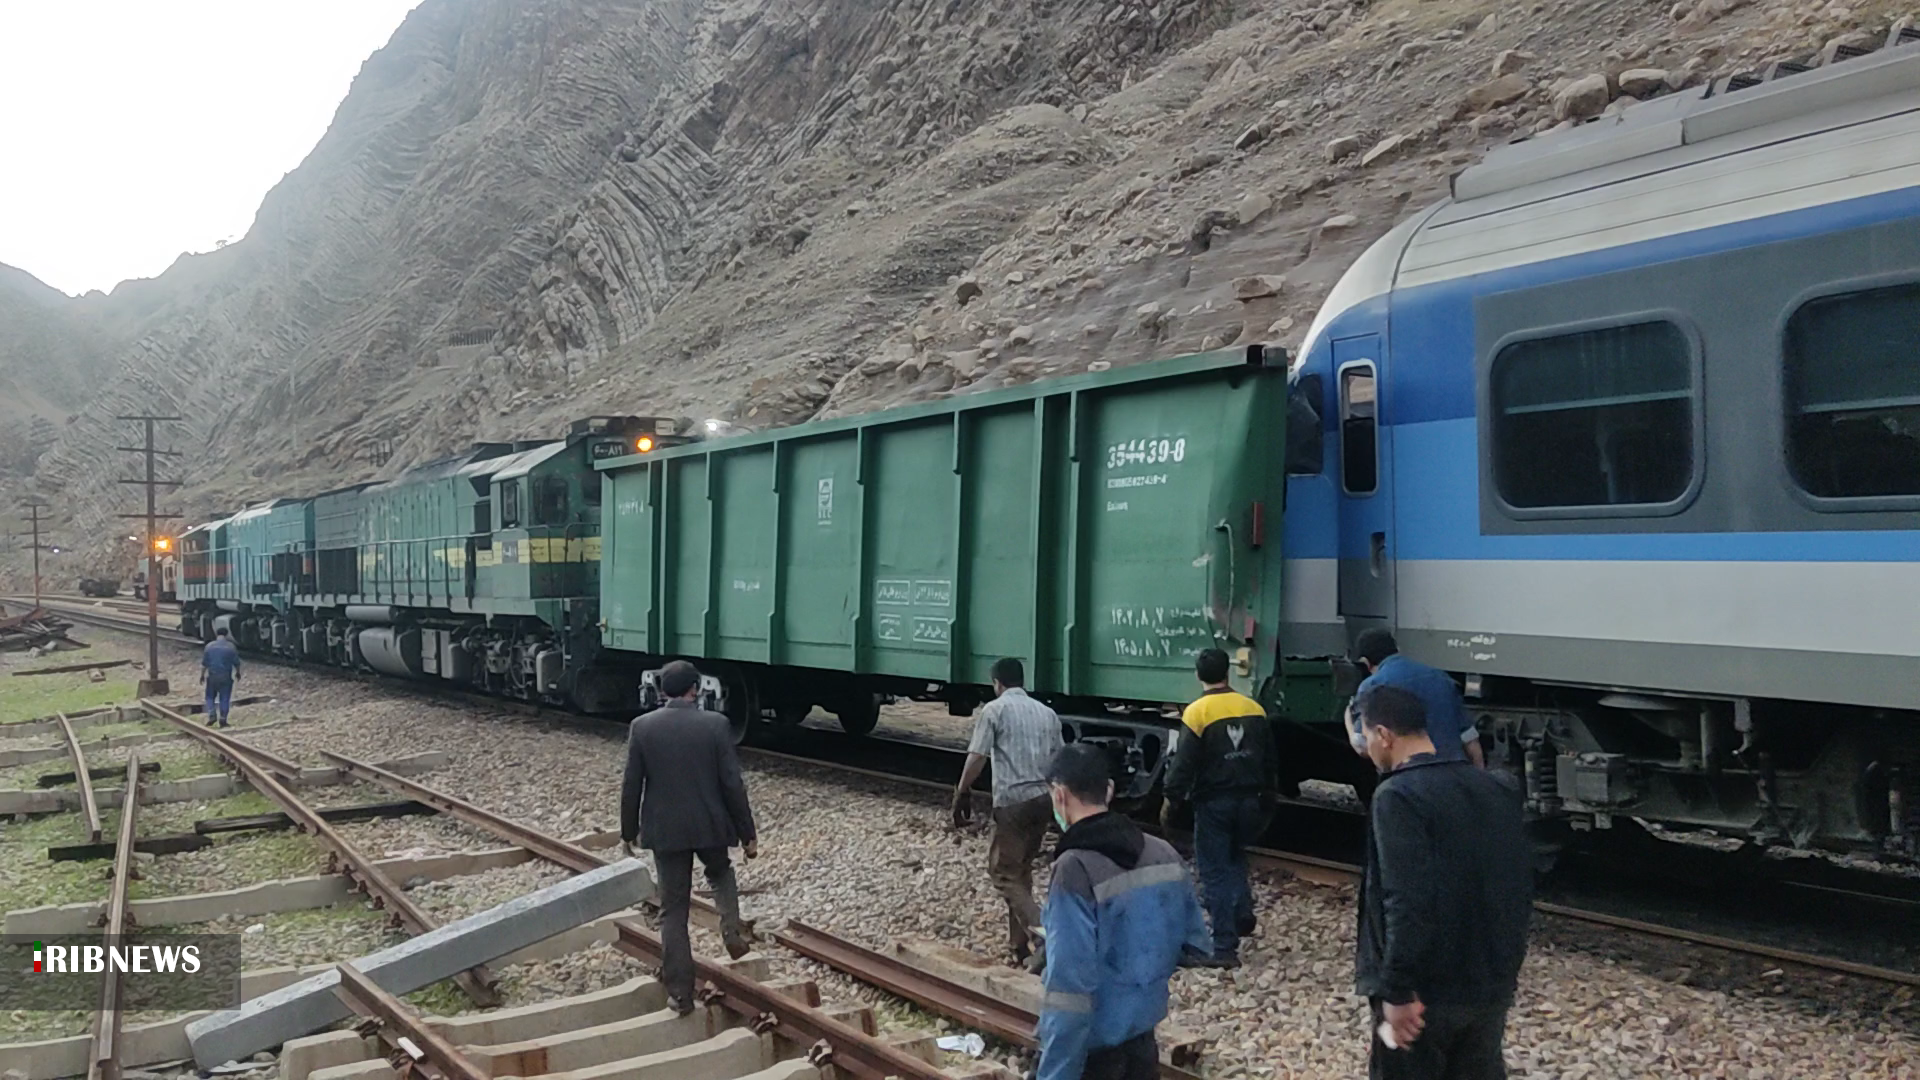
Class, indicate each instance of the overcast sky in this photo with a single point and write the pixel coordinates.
(134, 130)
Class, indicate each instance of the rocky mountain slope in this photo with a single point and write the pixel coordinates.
(53, 352)
(530, 211)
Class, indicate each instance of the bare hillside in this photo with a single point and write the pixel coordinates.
(530, 211)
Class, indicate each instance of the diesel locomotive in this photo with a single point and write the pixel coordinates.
(1625, 434)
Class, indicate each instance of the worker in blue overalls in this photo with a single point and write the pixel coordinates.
(219, 667)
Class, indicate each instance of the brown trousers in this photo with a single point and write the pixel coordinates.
(1018, 831)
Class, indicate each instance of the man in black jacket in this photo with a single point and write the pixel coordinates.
(1223, 764)
(683, 796)
(1444, 904)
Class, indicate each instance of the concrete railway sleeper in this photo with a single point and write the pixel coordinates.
(477, 982)
(833, 1041)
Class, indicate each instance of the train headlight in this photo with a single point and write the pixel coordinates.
(643, 444)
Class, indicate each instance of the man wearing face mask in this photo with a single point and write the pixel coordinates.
(1119, 911)
(1444, 902)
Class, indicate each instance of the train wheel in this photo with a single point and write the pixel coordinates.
(860, 714)
(743, 701)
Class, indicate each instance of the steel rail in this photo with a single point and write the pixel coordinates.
(476, 981)
(415, 1045)
(843, 1046)
(1002, 1019)
(765, 1009)
(88, 804)
(1791, 956)
(1328, 872)
(103, 1060)
(570, 856)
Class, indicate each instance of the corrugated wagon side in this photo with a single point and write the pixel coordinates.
(1104, 529)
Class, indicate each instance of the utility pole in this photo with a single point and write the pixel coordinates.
(153, 685)
(34, 506)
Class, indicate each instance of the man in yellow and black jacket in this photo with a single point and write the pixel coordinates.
(1224, 765)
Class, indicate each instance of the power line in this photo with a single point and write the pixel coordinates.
(154, 685)
(34, 506)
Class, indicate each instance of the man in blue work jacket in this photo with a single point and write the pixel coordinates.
(1452, 730)
(219, 667)
(1119, 911)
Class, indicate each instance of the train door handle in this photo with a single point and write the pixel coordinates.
(1377, 554)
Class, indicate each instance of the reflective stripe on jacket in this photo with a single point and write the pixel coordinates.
(1114, 936)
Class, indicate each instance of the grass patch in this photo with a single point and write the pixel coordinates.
(317, 936)
(276, 855)
(42, 696)
(177, 766)
(179, 817)
(441, 999)
(29, 879)
(113, 731)
(176, 763)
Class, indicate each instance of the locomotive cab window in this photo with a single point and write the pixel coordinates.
(1853, 394)
(510, 504)
(1359, 434)
(1596, 418)
(550, 501)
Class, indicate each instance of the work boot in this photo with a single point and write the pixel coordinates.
(680, 1006)
(1194, 958)
(1245, 923)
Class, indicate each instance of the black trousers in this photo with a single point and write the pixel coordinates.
(673, 872)
(1460, 1042)
(1136, 1059)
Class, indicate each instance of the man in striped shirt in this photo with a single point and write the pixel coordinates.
(1019, 736)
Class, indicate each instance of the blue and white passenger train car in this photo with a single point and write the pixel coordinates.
(1626, 434)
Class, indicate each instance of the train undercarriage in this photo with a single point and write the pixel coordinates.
(1773, 773)
(512, 657)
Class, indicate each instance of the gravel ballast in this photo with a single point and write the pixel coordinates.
(876, 861)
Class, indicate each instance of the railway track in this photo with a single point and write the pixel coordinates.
(744, 1029)
(931, 766)
(418, 1049)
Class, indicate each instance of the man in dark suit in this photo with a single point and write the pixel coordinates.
(683, 797)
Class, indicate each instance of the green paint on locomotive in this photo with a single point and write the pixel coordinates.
(506, 529)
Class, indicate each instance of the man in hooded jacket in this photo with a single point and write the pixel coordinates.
(1120, 909)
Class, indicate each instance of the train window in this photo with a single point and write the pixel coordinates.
(510, 504)
(550, 501)
(1600, 417)
(1305, 445)
(1853, 394)
(1359, 437)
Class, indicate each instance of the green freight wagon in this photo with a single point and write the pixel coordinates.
(1103, 528)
